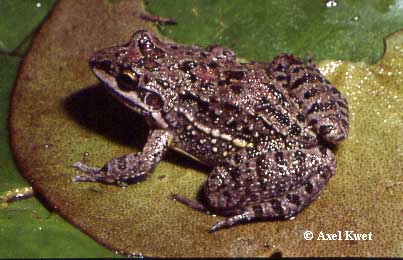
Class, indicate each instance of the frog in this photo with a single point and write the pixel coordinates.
(267, 130)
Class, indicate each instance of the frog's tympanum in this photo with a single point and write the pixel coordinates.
(264, 128)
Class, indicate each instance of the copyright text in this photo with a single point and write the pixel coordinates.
(339, 235)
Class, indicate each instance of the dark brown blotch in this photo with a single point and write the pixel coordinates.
(148, 48)
(207, 86)
(188, 65)
(300, 156)
(309, 187)
(187, 95)
(325, 129)
(324, 172)
(301, 118)
(306, 78)
(204, 105)
(296, 69)
(231, 123)
(150, 64)
(237, 89)
(163, 83)
(282, 77)
(321, 107)
(311, 93)
(295, 130)
(192, 77)
(235, 172)
(230, 107)
(283, 119)
(121, 164)
(276, 205)
(145, 44)
(223, 82)
(235, 74)
(258, 211)
(213, 65)
(276, 93)
(294, 199)
(279, 158)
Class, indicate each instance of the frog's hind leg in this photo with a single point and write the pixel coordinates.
(281, 185)
(324, 107)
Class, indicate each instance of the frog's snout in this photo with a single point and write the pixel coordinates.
(105, 65)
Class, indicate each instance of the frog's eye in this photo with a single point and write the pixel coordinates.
(154, 101)
(127, 80)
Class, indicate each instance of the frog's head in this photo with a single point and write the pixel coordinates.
(128, 72)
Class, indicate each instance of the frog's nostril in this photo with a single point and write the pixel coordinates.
(92, 62)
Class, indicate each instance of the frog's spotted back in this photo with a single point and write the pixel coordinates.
(265, 128)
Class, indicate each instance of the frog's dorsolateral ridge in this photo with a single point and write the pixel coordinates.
(265, 128)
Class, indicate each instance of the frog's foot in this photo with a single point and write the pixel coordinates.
(120, 171)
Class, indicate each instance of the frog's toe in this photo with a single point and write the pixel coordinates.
(219, 225)
(85, 168)
(188, 202)
(245, 217)
(84, 178)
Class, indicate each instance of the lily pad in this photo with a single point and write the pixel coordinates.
(259, 30)
(60, 113)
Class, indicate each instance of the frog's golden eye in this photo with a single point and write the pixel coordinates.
(127, 80)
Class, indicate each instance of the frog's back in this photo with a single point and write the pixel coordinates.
(226, 109)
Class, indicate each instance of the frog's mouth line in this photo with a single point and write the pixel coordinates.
(130, 99)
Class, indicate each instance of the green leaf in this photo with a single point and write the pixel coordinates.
(9, 177)
(27, 229)
(17, 20)
(259, 30)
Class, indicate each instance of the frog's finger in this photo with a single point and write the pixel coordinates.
(92, 173)
(84, 178)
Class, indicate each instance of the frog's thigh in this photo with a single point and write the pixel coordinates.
(283, 184)
(326, 110)
(324, 107)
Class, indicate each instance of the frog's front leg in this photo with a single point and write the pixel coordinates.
(132, 167)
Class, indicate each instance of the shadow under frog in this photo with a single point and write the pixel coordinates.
(94, 108)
